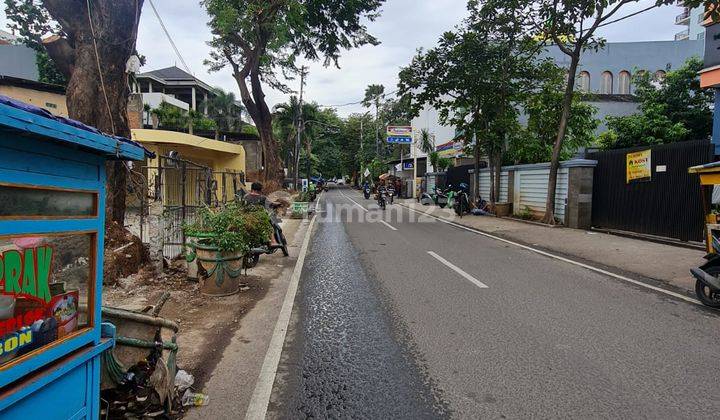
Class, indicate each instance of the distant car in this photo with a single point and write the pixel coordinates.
(340, 181)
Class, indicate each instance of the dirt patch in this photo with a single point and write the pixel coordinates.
(124, 253)
(206, 324)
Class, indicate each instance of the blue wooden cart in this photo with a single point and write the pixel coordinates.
(52, 200)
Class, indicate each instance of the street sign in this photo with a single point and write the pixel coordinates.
(407, 165)
(399, 134)
(399, 131)
(367, 172)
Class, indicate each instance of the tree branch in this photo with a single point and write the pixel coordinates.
(61, 53)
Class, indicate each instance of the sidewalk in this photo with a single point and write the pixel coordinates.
(649, 260)
(232, 381)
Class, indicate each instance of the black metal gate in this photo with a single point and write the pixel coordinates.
(669, 205)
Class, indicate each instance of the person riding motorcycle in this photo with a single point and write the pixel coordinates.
(381, 194)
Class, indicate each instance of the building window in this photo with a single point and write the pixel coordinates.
(624, 88)
(584, 81)
(607, 83)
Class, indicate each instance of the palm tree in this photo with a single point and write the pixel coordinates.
(373, 95)
(224, 110)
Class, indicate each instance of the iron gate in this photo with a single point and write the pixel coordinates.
(175, 190)
(669, 205)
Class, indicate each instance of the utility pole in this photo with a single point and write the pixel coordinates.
(362, 154)
(298, 129)
(377, 125)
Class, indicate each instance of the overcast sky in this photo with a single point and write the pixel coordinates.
(403, 26)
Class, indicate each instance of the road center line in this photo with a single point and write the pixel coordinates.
(355, 202)
(388, 225)
(458, 270)
(366, 210)
(567, 260)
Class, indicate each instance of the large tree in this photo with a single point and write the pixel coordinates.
(90, 42)
(260, 39)
(477, 77)
(572, 25)
(534, 143)
(374, 97)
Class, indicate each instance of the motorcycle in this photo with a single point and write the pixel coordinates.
(253, 257)
(440, 198)
(382, 199)
(461, 202)
(391, 194)
(366, 192)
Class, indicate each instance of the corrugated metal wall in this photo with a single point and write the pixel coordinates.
(670, 204)
(531, 191)
(485, 185)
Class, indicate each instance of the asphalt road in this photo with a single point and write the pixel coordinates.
(403, 318)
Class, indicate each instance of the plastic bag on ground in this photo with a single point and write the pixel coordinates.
(183, 380)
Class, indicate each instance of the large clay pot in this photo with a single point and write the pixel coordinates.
(218, 272)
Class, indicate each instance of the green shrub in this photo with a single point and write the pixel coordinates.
(235, 228)
(526, 213)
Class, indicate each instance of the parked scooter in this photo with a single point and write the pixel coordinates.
(366, 192)
(252, 258)
(461, 202)
(440, 198)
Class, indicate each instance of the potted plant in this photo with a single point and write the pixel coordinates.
(300, 207)
(222, 237)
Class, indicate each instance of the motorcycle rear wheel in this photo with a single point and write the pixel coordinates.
(704, 294)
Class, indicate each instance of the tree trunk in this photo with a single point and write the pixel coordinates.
(256, 106)
(549, 217)
(476, 175)
(115, 24)
(497, 169)
(493, 197)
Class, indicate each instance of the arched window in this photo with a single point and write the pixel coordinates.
(660, 75)
(606, 87)
(584, 81)
(624, 88)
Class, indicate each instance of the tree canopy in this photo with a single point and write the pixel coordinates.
(261, 39)
(673, 108)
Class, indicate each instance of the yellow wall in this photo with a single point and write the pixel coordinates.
(221, 157)
(40, 99)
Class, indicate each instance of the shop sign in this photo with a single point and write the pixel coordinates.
(399, 134)
(639, 166)
(40, 290)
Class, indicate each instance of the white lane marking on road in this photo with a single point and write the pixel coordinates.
(388, 225)
(257, 409)
(567, 260)
(459, 270)
(366, 210)
(355, 202)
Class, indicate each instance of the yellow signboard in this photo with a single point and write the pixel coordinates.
(639, 166)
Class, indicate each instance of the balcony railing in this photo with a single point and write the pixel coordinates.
(682, 35)
(682, 18)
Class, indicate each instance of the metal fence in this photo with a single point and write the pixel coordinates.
(174, 190)
(668, 205)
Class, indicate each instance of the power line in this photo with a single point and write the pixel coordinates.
(167, 34)
(357, 102)
(628, 16)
